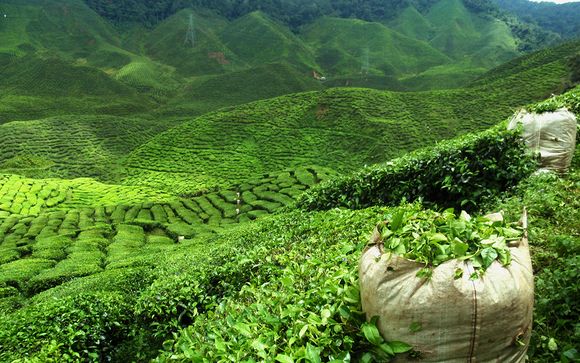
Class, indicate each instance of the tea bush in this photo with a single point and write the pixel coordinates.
(553, 205)
(459, 173)
(86, 326)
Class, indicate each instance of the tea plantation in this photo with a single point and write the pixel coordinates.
(198, 184)
(192, 278)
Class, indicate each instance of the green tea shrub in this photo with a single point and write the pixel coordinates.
(52, 248)
(78, 264)
(289, 319)
(553, 204)
(16, 273)
(8, 254)
(569, 100)
(174, 230)
(458, 173)
(283, 290)
(85, 326)
(186, 214)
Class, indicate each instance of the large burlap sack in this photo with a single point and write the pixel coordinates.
(446, 319)
(552, 134)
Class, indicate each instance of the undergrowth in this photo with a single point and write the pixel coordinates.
(553, 205)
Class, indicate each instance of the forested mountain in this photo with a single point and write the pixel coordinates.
(398, 45)
(563, 19)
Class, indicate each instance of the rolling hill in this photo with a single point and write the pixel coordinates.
(208, 93)
(40, 86)
(65, 59)
(73, 146)
(351, 46)
(122, 276)
(257, 40)
(343, 129)
(559, 18)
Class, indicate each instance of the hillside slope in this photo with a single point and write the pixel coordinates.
(73, 146)
(343, 129)
(352, 46)
(40, 86)
(257, 39)
(560, 18)
(209, 93)
(118, 283)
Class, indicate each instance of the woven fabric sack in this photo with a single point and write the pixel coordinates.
(488, 319)
(552, 134)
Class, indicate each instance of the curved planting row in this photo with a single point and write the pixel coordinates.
(41, 251)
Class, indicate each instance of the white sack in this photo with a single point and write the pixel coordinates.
(552, 134)
(461, 320)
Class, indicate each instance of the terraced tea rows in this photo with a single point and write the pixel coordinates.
(44, 250)
(24, 196)
(27, 196)
(73, 146)
(342, 129)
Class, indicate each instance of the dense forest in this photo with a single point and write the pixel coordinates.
(562, 19)
(291, 12)
(296, 13)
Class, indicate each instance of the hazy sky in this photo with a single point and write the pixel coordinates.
(559, 1)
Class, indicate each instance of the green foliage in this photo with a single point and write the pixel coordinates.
(24, 196)
(458, 174)
(569, 100)
(82, 326)
(208, 93)
(345, 45)
(17, 273)
(102, 272)
(89, 146)
(561, 18)
(553, 212)
(342, 129)
(289, 295)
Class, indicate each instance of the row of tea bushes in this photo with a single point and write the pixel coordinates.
(458, 173)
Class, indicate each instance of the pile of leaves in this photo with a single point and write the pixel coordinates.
(433, 238)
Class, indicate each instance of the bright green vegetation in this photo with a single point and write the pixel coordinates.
(31, 210)
(283, 286)
(166, 44)
(208, 93)
(569, 100)
(29, 196)
(432, 238)
(131, 70)
(271, 42)
(339, 128)
(19, 195)
(553, 205)
(461, 32)
(352, 46)
(34, 87)
(148, 211)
